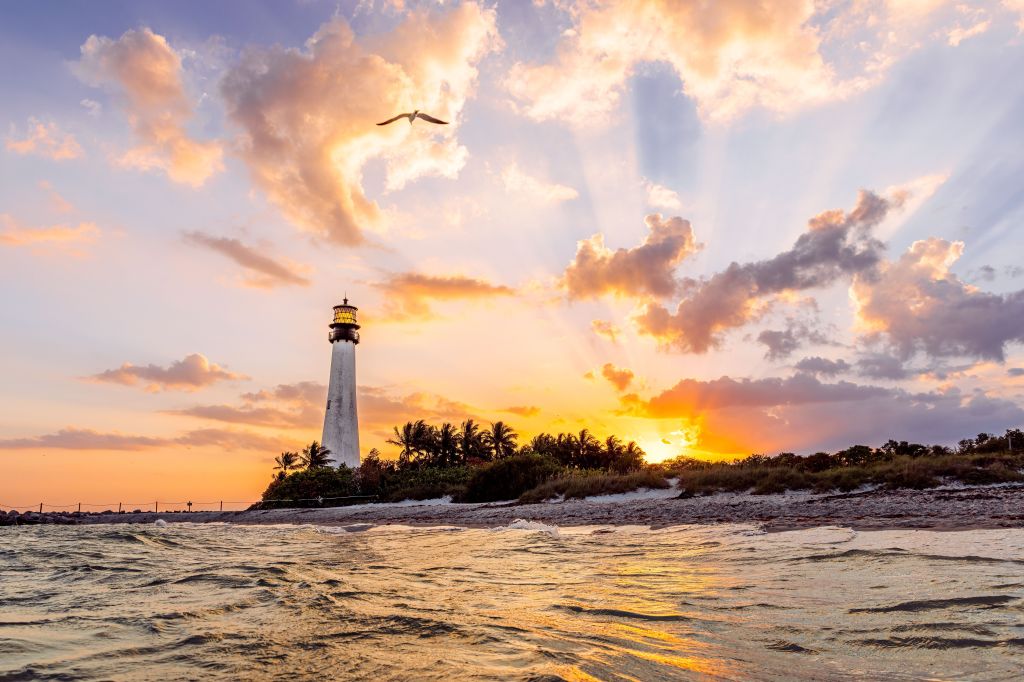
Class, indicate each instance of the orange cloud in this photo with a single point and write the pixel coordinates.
(606, 329)
(409, 294)
(45, 139)
(264, 271)
(619, 378)
(189, 374)
(143, 67)
(13, 233)
(523, 410)
(646, 270)
(308, 117)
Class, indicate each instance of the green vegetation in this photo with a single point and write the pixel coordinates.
(470, 463)
(982, 460)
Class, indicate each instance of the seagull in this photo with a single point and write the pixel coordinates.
(412, 117)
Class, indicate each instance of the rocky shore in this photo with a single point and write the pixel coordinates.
(950, 508)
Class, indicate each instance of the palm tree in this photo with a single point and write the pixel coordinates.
(588, 450)
(501, 438)
(446, 445)
(471, 444)
(405, 439)
(415, 439)
(315, 456)
(286, 461)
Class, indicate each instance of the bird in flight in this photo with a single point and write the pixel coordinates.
(412, 117)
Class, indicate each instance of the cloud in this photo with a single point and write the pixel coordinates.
(72, 438)
(606, 329)
(1015, 372)
(781, 343)
(14, 234)
(881, 366)
(409, 294)
(916, 304)
(523, 410)
(620, 378)
(645, 270)
(836, 245)
(189, 374)
(660, 196)
(518, 182)
(57, 202)
(731, 55)
(299, 405)
(92, 107)
(47, 140)
(803, 414)
(380, 409)
(146, 71)
(264, 271)
(308, 116)
(822, 366)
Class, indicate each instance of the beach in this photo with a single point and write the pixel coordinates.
(946, 508)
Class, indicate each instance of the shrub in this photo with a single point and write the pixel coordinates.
(303, 488)
(509, 478)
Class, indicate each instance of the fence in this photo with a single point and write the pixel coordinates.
(189, 506)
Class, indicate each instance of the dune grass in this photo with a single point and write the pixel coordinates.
(580, 484)
(764, 477)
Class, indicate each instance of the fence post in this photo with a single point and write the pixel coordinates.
(79, 507)
(222, 505)
(40, 507)
(156, 507)
(118, 507)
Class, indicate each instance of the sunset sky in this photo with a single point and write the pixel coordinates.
(714, 228)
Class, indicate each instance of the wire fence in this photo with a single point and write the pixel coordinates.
(160, 506)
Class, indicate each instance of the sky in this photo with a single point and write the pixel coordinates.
(713, 228)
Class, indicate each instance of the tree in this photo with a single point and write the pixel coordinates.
(630, 458)
(446, 445)
(471, 443)
(588, 450)
(500, 438)
(315, 456)
(415, 438)
(286, 461)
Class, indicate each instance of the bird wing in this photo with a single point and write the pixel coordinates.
(425, 117)
(392, 120)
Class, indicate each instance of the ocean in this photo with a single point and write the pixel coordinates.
(525, 602)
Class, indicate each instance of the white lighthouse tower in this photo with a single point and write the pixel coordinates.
(341, 425)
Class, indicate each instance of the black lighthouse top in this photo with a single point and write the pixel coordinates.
(344, 326)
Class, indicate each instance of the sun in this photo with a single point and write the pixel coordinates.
(661, 446)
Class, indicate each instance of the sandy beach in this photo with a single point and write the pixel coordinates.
(949, 508)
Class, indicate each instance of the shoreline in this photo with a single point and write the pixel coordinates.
(950, 508)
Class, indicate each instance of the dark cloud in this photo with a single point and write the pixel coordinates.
(822, 366)
(409, 294)
(189, 374)
(620, 378)
(881, 366)
(781, 343)
(836, 245)
(265, 272)
(916, 304)
(645, 270)
(1016, 371)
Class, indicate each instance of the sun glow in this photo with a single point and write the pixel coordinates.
(662, 446)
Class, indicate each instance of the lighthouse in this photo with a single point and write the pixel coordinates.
(341, 425)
